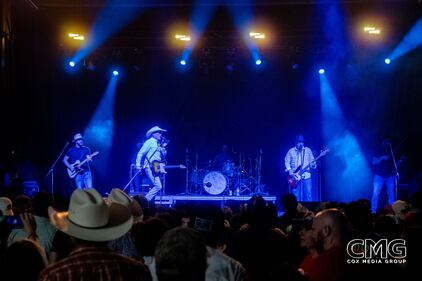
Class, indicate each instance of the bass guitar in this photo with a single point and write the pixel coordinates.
(78, 164)
(159, 167)
(296, 177)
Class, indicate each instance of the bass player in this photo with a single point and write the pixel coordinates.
(297, 157)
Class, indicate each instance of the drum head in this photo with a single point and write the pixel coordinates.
(214, 183)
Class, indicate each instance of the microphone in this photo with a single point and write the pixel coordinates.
(164, 140)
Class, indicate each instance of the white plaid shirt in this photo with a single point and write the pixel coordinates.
(293, 159)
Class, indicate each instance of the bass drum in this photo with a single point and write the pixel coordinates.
(214, 183)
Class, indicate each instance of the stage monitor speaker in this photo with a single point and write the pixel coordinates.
(30, 188)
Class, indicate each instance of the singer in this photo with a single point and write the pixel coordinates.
(152, 151)
(385, 172)
(77, 154)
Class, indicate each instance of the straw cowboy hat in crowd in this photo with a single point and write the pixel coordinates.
(90, 218)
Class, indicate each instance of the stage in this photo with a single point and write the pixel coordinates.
(171, 200)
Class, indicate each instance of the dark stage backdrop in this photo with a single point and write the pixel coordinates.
(202, 108)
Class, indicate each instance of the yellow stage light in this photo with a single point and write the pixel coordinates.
(76, 36)
(257, 35)
(182, 37)
(372, 30)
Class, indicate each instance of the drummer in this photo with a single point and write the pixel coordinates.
(223, 159)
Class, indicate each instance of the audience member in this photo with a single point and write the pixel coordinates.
(307, 241)
(45, 230)
(125, 244)
(329, 231)
(91, 223)
(23, 261)
(181, 255)
(146, 236)
(209, 222)
(6, 212)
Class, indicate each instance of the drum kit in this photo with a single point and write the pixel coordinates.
(230, 179)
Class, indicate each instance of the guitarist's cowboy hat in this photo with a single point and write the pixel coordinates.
(153, 130)
(77, 137)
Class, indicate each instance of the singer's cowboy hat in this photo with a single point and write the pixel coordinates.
(154, 130)
(77, 137)
(90, 218)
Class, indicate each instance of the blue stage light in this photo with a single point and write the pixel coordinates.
(115, 72)
(182, 62)
(321, 71)
(72, 63)
(387, 61)
(258, 62)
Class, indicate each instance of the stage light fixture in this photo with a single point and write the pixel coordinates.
(115, 72)
(72, 63)
(372, 30)
(321, 71)
(257, 35)
(182, 37)
(182, 62)
(76, 36)
(387, 61)
(258, 62)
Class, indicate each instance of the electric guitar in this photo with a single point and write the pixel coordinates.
(159, 167)
(78, 164)
(292, 180)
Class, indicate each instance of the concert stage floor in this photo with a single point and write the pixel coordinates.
(171, 200)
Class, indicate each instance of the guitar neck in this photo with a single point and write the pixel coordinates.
(309, 164)
(83, 162)
(87, 159)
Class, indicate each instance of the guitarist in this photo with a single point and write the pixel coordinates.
(297, 157)
(153, 149)
(385, 173)
(79, 152)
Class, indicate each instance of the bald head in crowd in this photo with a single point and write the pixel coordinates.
(329, 229)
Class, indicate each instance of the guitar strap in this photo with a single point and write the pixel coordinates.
(156, 150)
(89, 166)
(149, 159)
(302, 158)
(84, 157)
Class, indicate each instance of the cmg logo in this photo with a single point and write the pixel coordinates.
(380, 250)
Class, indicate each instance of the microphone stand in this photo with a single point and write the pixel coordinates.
(396, 170)
(133, 177)
(51, 170)
(258, 188)
(187, 171)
